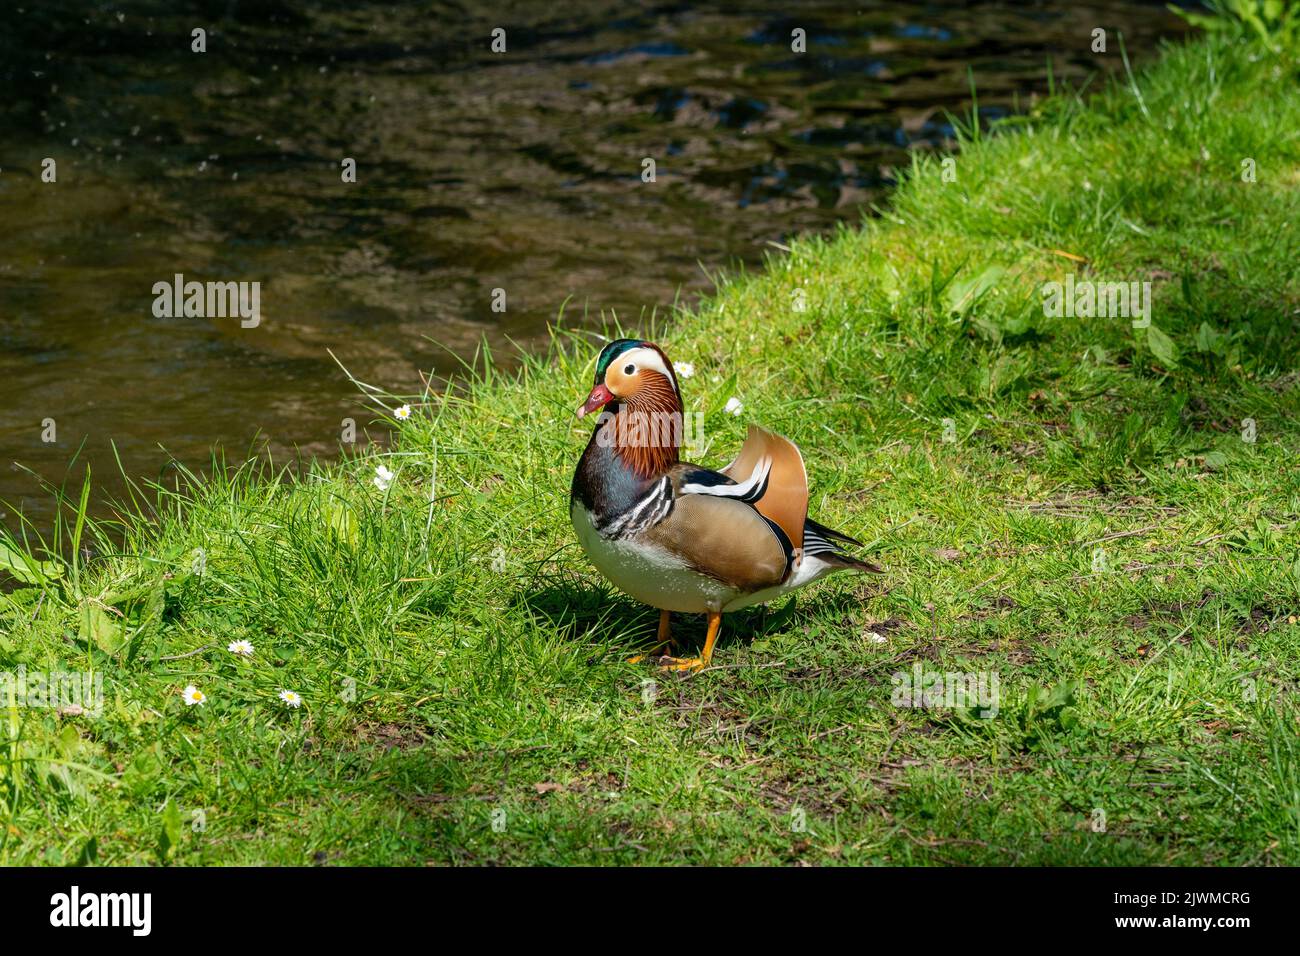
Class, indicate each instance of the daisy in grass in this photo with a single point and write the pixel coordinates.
(241, 648)
(684, 369)
(402, 413)
(290, 698)
(734, 406)
(193, 696)
(383, 477)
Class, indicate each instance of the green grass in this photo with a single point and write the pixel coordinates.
(1153, 681)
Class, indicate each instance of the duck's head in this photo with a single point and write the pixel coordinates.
(635, 372)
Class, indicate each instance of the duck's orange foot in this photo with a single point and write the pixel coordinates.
(695, 664)
(663, 639)
(653, 652)
(691, 664)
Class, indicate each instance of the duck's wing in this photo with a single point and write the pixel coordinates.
(725, 539)
(768, 475)
(749, 522)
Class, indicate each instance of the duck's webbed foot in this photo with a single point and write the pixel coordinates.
(693, 664)
(663, 639)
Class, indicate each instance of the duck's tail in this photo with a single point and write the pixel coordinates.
(820, 540)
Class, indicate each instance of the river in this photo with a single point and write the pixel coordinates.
(522, 171)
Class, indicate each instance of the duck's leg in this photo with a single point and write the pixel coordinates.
(664, 638)
(701, 662)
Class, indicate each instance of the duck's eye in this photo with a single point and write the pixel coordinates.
(630, 369)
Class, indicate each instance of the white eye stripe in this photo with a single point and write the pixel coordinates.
(648, 358)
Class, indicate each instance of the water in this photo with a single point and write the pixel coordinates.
(475, 172)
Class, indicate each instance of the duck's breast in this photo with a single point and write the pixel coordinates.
(644, 569)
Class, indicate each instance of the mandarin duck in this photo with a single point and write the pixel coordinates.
(678, 536)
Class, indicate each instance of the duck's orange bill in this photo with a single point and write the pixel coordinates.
(598, 398)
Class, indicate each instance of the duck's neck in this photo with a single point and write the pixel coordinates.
(633, 445)
(647, 432)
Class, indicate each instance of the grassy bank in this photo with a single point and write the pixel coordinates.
(1067, 503)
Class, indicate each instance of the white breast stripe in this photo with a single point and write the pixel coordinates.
(649, 511)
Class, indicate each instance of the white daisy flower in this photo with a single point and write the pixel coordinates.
(290, 698)
(242, 648)
(193, 696)
(734, 406)
(402, 413)
(684, 369)
(383, 477)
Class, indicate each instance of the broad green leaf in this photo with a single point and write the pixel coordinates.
(26, 568)
(960, 296)
(100, 628)
(142, 773)
(89, 853)
(170, 835)
(1162, 347)
(341, 521)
